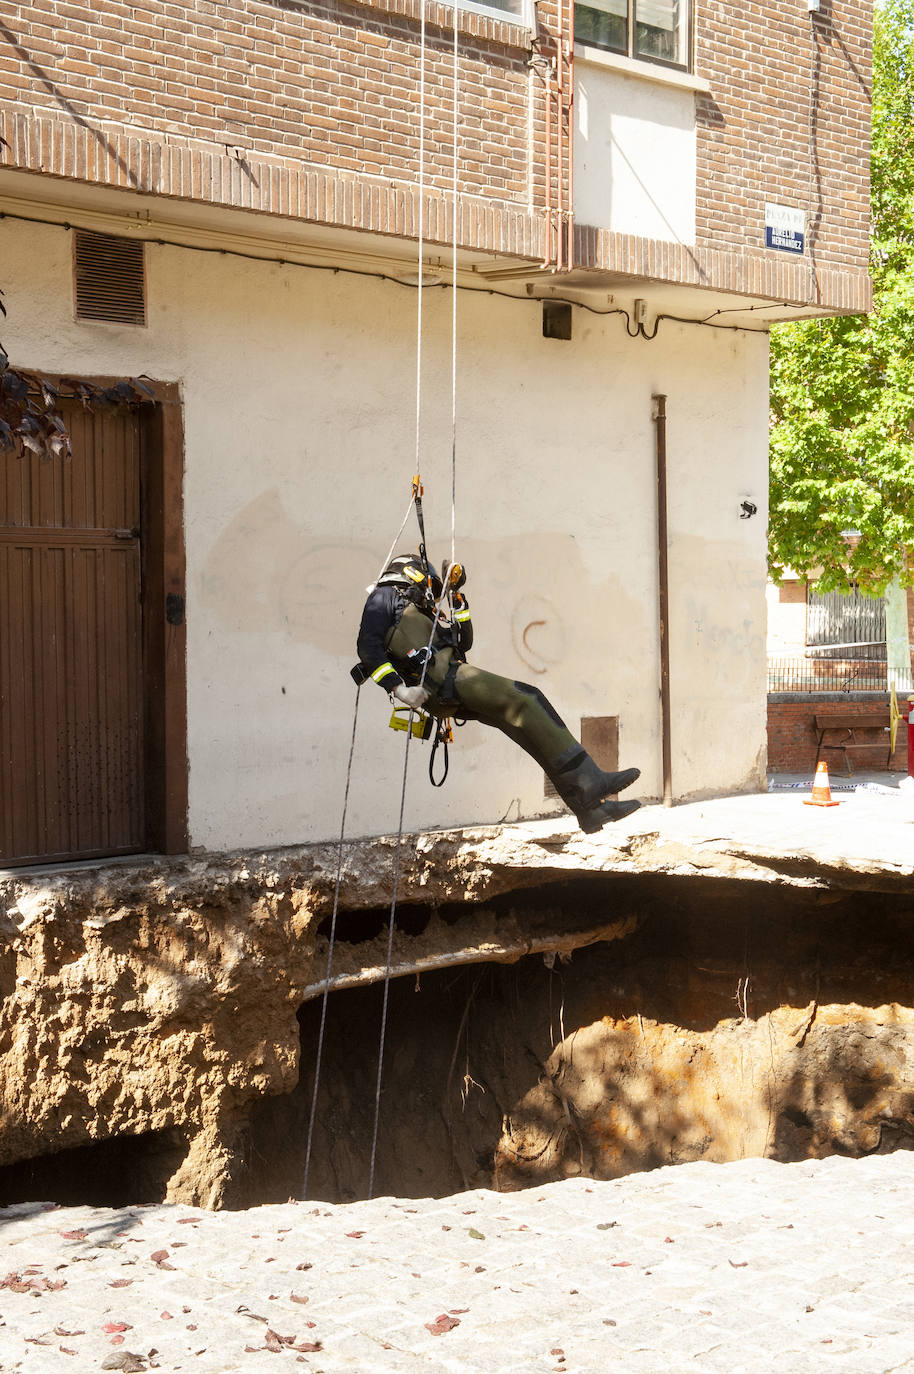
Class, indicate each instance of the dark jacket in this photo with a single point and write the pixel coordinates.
(380, 617)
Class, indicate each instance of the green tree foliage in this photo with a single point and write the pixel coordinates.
(842, 390)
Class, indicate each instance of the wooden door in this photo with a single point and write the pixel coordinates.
(72, 708)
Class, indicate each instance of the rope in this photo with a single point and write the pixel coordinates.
(445, 590)
(390, 551)
(393, 903)
(421, 235)
(336, 904)
(390, 945)
(456, 115)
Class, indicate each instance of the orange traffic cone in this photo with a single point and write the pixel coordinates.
(821, 792)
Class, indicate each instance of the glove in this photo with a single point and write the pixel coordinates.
(413, 697)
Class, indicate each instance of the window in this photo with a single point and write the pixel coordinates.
(652, 30)
(513, 11)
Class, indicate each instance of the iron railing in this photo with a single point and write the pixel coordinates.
(826, 675)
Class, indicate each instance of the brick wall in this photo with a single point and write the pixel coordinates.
(792, 735)
(327, 84)
(787, 120)
(286, 107)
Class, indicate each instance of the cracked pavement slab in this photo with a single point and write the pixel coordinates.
(737, 1267)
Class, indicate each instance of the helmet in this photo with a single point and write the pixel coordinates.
(408, 571)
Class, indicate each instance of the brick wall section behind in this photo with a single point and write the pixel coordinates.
(792, 737)
(756, 140)
(330, 88)
(328, 84)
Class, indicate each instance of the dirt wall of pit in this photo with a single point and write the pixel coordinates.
(159, 1028)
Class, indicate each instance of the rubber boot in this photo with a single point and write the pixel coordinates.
(593, 820)
(581, 784)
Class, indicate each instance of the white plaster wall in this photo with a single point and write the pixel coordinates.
(299, 394)
(634, 155)
(786, 623)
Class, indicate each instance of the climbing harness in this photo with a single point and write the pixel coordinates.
(417, 724)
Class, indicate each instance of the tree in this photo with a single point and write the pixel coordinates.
(842, 390)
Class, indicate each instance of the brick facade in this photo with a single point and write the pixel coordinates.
(788, 120)
(792, 735)
(310, 110)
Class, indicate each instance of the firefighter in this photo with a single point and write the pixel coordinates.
(395, 639)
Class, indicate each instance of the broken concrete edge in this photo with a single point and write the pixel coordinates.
(470, 865)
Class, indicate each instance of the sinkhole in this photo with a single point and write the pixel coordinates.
(719, 1019)
(734, 1020)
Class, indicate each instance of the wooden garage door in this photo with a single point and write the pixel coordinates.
(71, 647)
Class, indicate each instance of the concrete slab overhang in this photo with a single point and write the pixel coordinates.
(865, 844)
(353, 225)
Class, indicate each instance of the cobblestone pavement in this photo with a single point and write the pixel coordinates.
(743, 1268)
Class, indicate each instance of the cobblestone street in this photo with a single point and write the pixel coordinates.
(740, 1267)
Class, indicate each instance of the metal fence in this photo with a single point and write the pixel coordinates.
(844, 625)
(827, 675)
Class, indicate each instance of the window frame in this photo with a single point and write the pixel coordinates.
(524, 20)
(629, 51)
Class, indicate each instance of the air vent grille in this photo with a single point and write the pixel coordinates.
(110, 278)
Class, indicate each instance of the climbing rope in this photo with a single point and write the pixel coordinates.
(445, 590)
(332, 940)
(454, 226)
(336, 895)
(415, 503)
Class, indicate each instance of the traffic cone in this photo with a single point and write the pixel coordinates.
(821, 792)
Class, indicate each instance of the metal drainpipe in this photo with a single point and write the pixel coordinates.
(569, 257)
(547, 86)
(664, 597)
(560, 136)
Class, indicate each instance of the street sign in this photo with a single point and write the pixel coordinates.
(785, 228)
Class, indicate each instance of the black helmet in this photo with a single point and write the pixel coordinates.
(407, 571)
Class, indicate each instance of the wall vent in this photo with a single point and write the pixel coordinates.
(110, 278)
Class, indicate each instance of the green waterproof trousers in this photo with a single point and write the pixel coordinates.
(519, 710)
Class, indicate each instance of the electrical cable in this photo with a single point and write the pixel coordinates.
(812, 224)
(702, 321)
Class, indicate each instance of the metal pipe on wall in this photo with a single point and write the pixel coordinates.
(547, 107)
(663, 598)
(569, 257)
(560, 135)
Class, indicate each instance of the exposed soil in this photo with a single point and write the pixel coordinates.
(707, 1009)
(732, 1023)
